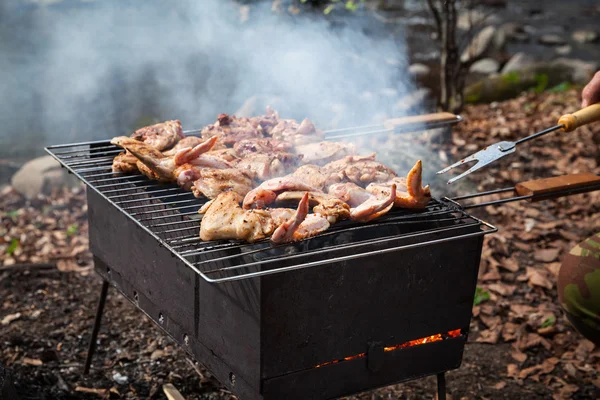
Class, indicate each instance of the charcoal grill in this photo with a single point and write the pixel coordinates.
(358, 307)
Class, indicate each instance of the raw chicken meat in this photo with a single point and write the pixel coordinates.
(410, 193)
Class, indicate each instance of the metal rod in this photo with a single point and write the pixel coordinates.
(62, 146)
(181, 229)
(116, 178)
(97, 323)
(168, 203)
(441, 386)
(536, 135)
(103, 174)
(58, 153)
(480, 194)
(100, 153)
(166, 216)
(91, 161)
(143, 178)
(177, 222)
(101, 167)
(494, 202)
(163, 210)
(329, 249)
(151, 198)
(143, 192)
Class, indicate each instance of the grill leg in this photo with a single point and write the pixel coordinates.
(97, 322)
(441, 386)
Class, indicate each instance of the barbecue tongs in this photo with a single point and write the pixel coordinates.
(568, 123)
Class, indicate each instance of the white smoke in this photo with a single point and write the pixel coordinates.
(97, 69)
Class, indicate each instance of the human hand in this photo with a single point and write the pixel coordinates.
(591, 92)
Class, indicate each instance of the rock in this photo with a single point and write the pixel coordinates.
(517, 62)
(419, 71)
(120, 379)
(40, 176)
(515, 32)
(474, 19)
(485, 66)
(551, 39)
(546, 255)
(584, 36)
(507, 85)
(488, 41)
(580, 71)
(563, 50)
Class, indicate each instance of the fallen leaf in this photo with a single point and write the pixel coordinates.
(10, 318)
(99, 392)
(553, 268)
(510, 264)
(518, 356)
(32, 361)
(546, 255)
(502, 288)
(488, 336)
(536, 278)
(524, 373)
(500, 385)
(512, 370)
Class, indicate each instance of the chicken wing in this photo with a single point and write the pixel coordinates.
(210, 182)
(267, 192)
(300, 225)
(410, 193)
(321, 153)
(365, 206)
(161, 136)
(329, 206)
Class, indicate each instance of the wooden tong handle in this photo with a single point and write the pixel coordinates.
(420, 120)
(550, 188)
(579, 118)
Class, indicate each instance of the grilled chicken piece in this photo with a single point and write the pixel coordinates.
(290, 131)
(189, 141)
(231, 129)
(267, 192)
(410, 193)
(163, 168)
(125, 162)
(359, 169)
(300, 225)
(268, 166)
(312, 175)
(261, 146)
(329, 206)
(364, 205)
(210, 182)
(321, 153)
(225, 219)
(161, 136)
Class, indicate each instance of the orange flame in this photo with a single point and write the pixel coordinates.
(429, 339)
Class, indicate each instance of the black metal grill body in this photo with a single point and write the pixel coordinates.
(264, 336)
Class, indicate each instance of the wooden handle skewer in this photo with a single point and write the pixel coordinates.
(579, 118)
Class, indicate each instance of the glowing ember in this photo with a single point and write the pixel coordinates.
(429, 339)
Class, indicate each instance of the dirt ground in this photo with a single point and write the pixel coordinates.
(520, 344)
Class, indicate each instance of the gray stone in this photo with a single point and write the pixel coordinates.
(475, 18)
(485, 66)
(419, 71)
(518, 62)
(563, 50)
(584, 36)
(488, 41)
(580, 71)
(551, 39)
(514, 31)
(40, 176)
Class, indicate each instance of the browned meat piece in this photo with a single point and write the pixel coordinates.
(327, 205)
(210, 182)
(225, 154)
(290, 131)
(267, 192)
(189, 141)
(231, 129)
(161, 136)
(361, 170)
(300, 225)
(224, 218)
(312, 175)
(161, 167)
(267, 166)
(410, 193)
(125, 162)
(261, 146)
(365, 205)
(321, 153)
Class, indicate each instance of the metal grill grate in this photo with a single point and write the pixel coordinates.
(171, 216)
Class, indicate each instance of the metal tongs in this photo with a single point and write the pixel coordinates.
(568, 123)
